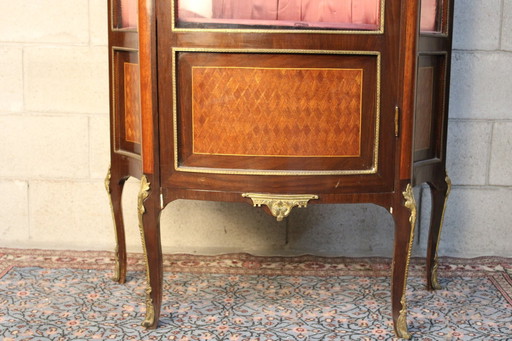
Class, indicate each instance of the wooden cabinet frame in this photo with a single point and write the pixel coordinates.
(403, 83)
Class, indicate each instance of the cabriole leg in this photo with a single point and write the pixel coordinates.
(114, 184)
(404, 213)
(149, 224)
(440, 194)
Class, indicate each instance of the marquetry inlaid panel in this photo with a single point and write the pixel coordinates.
(132, 103)
(277, 111)
(424, 107)
(126, 106)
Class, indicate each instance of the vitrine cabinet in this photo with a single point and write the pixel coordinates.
(280, 104)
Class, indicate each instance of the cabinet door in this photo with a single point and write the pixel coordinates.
(124, 79)
(245, 110)
(432, 83)
(280, 112)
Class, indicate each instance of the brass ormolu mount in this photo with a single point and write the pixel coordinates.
(280, 205)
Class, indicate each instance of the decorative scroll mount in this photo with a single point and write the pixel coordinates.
(117, 267)
(280, 205)
(410, 203)
(145, 188)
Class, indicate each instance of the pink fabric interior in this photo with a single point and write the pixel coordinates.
(129, 13)
(355, 14)
(428, 15)
(316, 13)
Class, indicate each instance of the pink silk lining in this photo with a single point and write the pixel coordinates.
(356, 14)
(129, 13)
(287, 12)
(428, 15)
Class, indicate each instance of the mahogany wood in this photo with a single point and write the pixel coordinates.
(188, 76)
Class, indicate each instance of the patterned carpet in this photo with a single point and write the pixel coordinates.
(51, 295)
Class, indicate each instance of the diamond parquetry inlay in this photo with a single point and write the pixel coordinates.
(277, 112)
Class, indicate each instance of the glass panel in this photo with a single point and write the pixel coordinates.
(292, 14)
(431, 15)
(125, 14)
(429, 107)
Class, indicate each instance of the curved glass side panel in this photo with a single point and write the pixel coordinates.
(125, 14)
(432, 16)
(364, 15)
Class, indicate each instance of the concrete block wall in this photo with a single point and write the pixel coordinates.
(54, 150)
(54, 124)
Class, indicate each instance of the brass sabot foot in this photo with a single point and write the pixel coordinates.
(149, 321)
(401, 325)
(434, 278)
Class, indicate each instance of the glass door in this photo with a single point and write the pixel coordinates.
(288, 14)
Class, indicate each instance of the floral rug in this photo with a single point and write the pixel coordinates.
(57, 295)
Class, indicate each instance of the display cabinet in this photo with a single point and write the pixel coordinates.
(280, 104)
